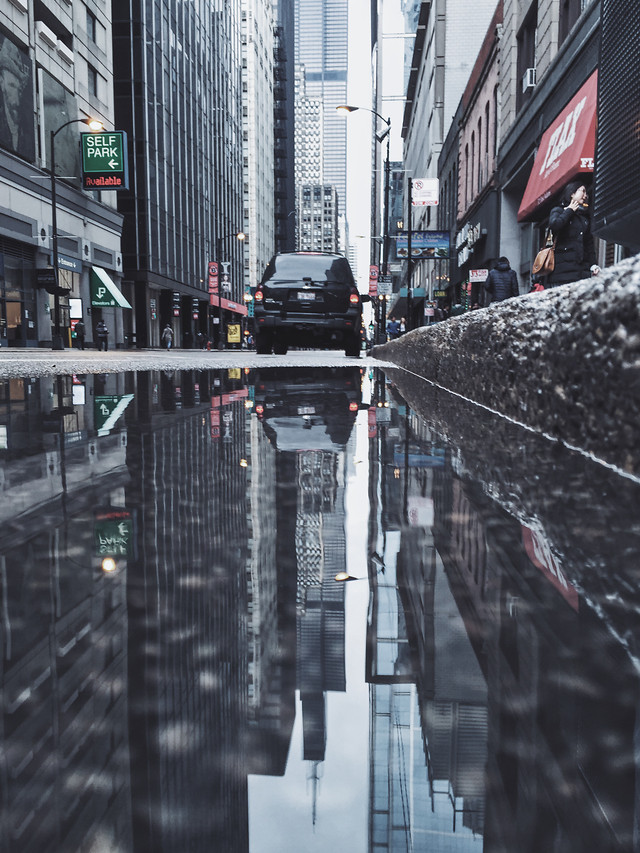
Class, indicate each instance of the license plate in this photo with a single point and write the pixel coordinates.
(306, 295)
(306, 410)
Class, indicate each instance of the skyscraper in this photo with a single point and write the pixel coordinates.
(321, 30)
(178, 94)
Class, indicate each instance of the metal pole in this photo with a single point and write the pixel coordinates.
(56, 339)
(409, 260)
(385, 233)
(220, 341)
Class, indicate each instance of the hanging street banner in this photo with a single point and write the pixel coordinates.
(374, 272)
(425, 191)
(213, 281)
(105, 164)
(424, 244)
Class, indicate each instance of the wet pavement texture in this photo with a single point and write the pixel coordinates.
(181, 670)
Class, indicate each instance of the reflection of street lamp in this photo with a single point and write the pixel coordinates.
(380, 136)
(241, 236)
(97, 127)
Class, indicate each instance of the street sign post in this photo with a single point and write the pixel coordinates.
(105, 164)
(384, 285)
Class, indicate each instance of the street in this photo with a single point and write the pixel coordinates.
(44, 362)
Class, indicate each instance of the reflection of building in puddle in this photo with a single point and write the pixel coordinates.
(64, 628)
(320, 545)
(428, 693)
(307, 417)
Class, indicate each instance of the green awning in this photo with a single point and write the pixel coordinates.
(104, 292)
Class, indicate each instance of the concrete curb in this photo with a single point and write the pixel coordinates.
(565, 362)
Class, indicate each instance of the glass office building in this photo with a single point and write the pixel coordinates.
(178, 92)
(321, 28)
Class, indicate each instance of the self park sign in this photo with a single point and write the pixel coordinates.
(105, 164)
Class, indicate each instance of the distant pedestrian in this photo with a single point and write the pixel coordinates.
(393, 328)
(167, 336)
(402, 328)
(502, 281)
(200, 340)
(570, 223)
(102, 333)
(80, 334)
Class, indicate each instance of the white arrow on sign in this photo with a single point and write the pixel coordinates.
(113, 163)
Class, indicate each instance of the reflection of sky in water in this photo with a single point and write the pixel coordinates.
(281, 808)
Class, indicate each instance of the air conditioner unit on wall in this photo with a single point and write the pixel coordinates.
(529, 79)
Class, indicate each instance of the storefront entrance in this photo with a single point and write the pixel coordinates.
(18, 325)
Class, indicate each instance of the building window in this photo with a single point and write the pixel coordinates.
(570, 11)
(466, 175)
(527, 44)
(495, 122)
(480, 169)
(486, 140)
(92, 75)
(473, 164)
(92, 26)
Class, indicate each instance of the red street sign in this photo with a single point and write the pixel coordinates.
(373, 280)
(372, 423)
(213, 281)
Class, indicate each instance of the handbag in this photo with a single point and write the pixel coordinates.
(545, 261)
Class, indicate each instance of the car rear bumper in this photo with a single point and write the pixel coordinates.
(317, 326)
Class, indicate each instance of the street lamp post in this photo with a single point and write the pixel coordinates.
(380, 137)
(241, 236)
(96, 126)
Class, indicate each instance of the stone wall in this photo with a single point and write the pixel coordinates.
(565, 362)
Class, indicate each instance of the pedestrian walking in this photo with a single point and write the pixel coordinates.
(502, 281)
(200, 340)
(402, 327)
(570, 223)
(102, 333)
(80, 334)
(393, 328)
(167, 336)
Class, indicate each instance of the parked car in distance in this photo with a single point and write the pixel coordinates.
(308, 299)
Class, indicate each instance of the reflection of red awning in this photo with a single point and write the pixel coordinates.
(228, 305)
(566, 149)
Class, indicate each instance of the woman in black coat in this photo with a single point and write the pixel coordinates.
(571, 226)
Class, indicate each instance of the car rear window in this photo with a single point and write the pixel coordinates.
(295, 267)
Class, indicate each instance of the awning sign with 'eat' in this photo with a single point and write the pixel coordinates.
(566, 149)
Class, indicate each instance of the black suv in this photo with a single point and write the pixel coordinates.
(308, 299)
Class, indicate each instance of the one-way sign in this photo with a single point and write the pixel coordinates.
(105, 164)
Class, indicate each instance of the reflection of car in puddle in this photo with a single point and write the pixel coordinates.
(308, 409)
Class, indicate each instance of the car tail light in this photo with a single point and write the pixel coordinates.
(353, 407)
(259, 296)
(354, 298)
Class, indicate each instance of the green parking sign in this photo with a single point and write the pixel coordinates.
(105, 165)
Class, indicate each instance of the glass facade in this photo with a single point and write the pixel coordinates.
(178, 93)
(322, 47)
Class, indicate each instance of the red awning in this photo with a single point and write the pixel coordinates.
(566, 149)
(228, 305)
